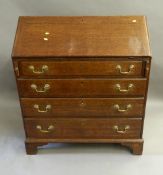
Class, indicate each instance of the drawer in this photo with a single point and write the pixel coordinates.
(80, 68)
(82, 107)
(83, 128)
(81, 87)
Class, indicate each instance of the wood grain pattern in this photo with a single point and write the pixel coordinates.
(82, 87)
(80, 68)
(81, 36)
(82, 54)
(82, 107)
(83, 128)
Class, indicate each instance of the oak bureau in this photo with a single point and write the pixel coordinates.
(82, 79)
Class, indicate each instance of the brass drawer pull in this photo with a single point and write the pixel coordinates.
(117, 107)
(47, 108)
(43, 69)
(50, 129)
(44, 89)
(118, 87)
(121, 131)
(131, 67)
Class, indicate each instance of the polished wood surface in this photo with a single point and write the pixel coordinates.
(83, 68)
(82, 107)
(83, 128)
(82, 87)
(81, 36)
(82, 79)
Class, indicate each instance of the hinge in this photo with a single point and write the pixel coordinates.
(147, 68)
(16, 68)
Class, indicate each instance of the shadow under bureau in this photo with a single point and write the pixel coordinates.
(82, 79)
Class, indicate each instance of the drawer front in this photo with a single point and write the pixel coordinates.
(82, 87)
(83, 128)
(80, 68)
(82, 107)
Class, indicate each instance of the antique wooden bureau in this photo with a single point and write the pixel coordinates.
(82, 79)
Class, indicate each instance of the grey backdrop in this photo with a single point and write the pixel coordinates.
(12, 153)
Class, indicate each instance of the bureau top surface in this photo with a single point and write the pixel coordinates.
(87, 36)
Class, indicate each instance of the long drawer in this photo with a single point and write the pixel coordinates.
(82, 107)
(81, 87)
(71, 68)
(83, 128)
